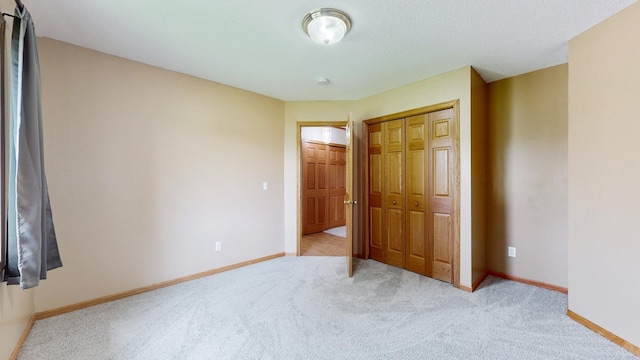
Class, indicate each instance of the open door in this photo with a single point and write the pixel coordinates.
(350, 199)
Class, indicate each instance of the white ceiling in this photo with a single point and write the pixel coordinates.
(259, 45)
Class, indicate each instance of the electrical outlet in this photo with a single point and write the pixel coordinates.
(265, 185)
(512, 251)
(218, 245)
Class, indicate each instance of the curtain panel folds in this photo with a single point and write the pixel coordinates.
(32, 245)
(3, 195)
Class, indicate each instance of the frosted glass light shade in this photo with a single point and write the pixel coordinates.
(326, 30)
(326, 26)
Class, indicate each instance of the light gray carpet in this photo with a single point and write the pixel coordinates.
(306, 308)
(340, 231)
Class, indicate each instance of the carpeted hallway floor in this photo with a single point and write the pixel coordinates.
(306, 308)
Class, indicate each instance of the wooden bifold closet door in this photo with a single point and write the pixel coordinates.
(411, 198)
(393, 192)
(441, 197)
(337, 185)
(416, 259)
(323, 186)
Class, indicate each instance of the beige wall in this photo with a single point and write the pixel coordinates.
(147, 169)
(16, 307)
(528, 116)
(446, 87)
(604, 174)
(480, 175)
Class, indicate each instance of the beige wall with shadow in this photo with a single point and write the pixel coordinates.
(148, 169)
(604, 174)
(528, 157)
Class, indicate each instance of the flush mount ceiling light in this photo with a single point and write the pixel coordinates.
(326, 26)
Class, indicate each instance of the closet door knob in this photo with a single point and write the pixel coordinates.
(394, 202)
(415, 203)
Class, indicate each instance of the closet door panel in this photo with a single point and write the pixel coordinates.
(441, 172)
(377, 238)
(416, 250)
(442, 252)
(416, 245)
(375, 228)
(337, 183)
(315, 192)
(393, 188)
(395, 237)
(322, 173)
(441, 199)
(394, 165)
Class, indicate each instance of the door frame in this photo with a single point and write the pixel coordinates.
(455, 105)
(299, 126)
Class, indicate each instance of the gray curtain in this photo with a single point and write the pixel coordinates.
(32, 245)
(3, 210)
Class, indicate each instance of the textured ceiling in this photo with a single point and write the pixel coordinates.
(260, 46)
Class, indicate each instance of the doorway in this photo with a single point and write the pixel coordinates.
(321, 189)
